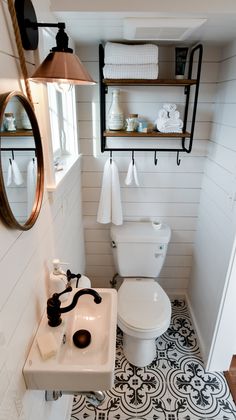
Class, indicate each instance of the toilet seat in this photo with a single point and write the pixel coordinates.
(143, 306)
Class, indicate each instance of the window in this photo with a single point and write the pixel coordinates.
(62, 110)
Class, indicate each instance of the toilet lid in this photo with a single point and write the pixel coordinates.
(143, 304)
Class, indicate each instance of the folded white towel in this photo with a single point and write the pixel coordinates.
(17, 177)
(110, 209)
(31, 184)
(116, 53)
(171, 129)
(128, 71)
(132, 175)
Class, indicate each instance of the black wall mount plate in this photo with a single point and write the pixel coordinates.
(27, 22)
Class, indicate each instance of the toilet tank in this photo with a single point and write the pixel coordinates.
(139, 248)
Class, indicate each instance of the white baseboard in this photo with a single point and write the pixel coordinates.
(197, 331)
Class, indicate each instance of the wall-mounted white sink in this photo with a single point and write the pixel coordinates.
(72, 368)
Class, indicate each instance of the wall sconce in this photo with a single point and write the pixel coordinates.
(61, 65)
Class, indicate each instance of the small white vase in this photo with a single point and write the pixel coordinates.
(116, 115)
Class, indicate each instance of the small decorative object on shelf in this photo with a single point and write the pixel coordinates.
(168, 120)
(180, 61)
(116, 115)
(132, 122)
(9, 123)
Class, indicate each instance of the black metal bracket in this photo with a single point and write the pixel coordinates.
(28, 26)
(187, 89)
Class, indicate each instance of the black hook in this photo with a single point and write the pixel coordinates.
(110, 156)
(155, 158)
(12, 153)
(133, 157)
(178, 160)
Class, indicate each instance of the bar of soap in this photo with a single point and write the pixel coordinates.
(47, 345)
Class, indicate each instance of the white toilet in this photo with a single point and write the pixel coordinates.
(144, 309)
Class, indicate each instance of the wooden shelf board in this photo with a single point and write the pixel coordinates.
(151, 82)
(17, 133)
(109, 133)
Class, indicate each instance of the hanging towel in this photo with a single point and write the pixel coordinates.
(116, 53)
(116, 208)
(31, 184)
(109, 209)
(17, 177)
(127, 71)
(9, 173)
(132, 175)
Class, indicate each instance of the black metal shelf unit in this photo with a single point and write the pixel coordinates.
(187, 84)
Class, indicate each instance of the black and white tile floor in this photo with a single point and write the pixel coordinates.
(174, 387)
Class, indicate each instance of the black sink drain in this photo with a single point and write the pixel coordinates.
(82, 338)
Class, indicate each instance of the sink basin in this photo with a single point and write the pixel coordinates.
(72, 368)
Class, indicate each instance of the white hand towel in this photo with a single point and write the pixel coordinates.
(9, 173)
(104, 207)
(110, 209)
(17, 177)
(129, 176)
(132, 175)
(31, 184)
(135, 175)
(117, 53)
(116, 207)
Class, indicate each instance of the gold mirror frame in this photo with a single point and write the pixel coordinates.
(5, 209)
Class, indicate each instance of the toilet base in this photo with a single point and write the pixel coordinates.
(139, 352)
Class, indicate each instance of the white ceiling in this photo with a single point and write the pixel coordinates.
(94, 21)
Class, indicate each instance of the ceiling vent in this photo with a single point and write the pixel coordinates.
(160, 29)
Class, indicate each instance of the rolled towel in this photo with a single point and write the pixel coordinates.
(174, 115)
(116, 53)
(170, 107)
(128, 71)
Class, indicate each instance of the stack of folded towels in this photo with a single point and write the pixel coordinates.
(168, 120)
(123, 61)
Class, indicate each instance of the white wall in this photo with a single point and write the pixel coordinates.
(167, 192)
(25, 262)
(217, 223)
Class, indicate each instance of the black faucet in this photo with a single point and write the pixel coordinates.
(54, 309)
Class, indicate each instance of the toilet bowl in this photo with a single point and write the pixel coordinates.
(144, 313)
(144, 309)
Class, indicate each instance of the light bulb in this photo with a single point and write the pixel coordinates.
(63, 87)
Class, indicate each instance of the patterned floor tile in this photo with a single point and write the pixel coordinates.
(174, 386)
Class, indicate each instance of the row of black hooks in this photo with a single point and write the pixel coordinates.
(178, 160)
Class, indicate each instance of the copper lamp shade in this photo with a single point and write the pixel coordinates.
(62, 67)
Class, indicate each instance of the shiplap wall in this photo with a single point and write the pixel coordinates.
(26, 260)
(217, 212)
(167, 193)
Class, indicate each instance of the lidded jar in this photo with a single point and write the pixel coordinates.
(116, 115)
(9, 122)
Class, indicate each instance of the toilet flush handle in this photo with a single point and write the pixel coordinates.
(113, 244)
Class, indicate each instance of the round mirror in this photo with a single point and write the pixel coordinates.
(21, 162)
